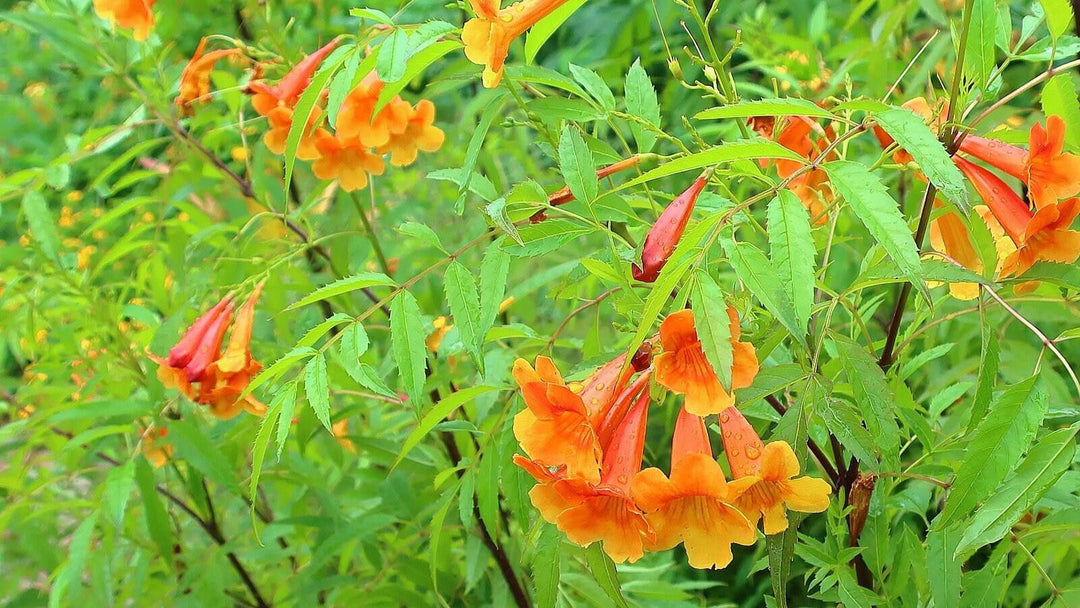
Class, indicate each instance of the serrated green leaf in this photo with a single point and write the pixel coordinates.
(494, 270)
(545, 566)
(712, 323)
(979, 59)
(641, 102)
(407, 338)
(998, 441)
(416, 64)
(911, 132)
(317, 389)
(393, 53)
(258, 451)
(577, 165)
(194, 447)
(792, 250)
(287, 400)
(305, 106)
(723, 153)
(603, 571)
(118, 484)
(544, 28)
(790, 106)
(595, 85)
(1059, 98)
(941, 565)
(1058, 16)
(460, 289)
(343, 286)
(873, 397)
(761, 278)
(438, 413)
(157, 519)
(41, 224)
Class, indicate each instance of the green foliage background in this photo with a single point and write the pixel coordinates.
(91, 157)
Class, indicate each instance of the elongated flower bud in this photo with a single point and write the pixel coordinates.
(666, 232)
(563, 195)
(1007, 206)
(690, 437)
(742, 445)
(182, 353)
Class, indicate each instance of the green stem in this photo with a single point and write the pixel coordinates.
(372, 238)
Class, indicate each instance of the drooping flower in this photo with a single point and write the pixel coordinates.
(358, 120)
(1050, 174)
(1040, 236)
(949, 235)
(603, 512)
(683, 368)
(195, 79)
(564, 195)
(487, 37)
(694, 506)
(420, 134)
(663, 237)
(346, 160)
(228, 376)
(562, 426)
(773, 467)
(135, 14)
(197, 348)
(287, 92)
(812, 186)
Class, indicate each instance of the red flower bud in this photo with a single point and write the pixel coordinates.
(181, 354)
(666, 232)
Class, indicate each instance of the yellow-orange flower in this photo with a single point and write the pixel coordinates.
(420, 134)
(154, 447)
(228, 376)
(683, 368)
(281, 120)
(487, 37)
(773, 468)
(195, 79)
(135, 14)
(603, 512)
(358, 120)
(949, 235)
(346, 160)
(1040, 236)
(694, 506)
(287, 92)
(340, 431)
(1050, 174)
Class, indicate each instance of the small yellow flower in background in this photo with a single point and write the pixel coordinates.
(239, 154)
(74, 196)
(340, 431)
(154, 447)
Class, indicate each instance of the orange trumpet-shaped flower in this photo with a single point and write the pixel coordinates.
(287, 92)
(773, 467)
(949, 235)
(358, 120)
(229, 375)
(1050, 174)
(812, 187)
(606, 512)
(665, 234)
(1040, 236)
(562, 426)
(694, 506)
(487, 37)
(683, 368)
(136, 14)
(420, 134)
(346, 160)
(197, 348)
(195, 79)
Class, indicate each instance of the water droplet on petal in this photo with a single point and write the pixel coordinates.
(622, 478)
(735, 453)
(738, 436)
(752, 452)
(725, 417)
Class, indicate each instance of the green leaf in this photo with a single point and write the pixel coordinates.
(340, 86)
(723, 153)
(407, 338)
(998, 441)
(843, 420)
(911, 132)
(71, 573)
(40, 222)
(873, 398)
(988, 368)
(979, 56)
(1044, 465)
(317, 389)
(118, 486)
(354, 343)
(193, 446)
(306, 105)
(792, 249)
(659, 297)
(942, 566)
(713, 326)
(545, 566)
(278, 367)
(878, 211)
(1059, 97)
(1058, 16)
(343, 286)
(493, 272)
(393, 53)
(460, 289)
(258, 451)
(761, 278)
(416, 64)
(287, 398)
(641, 102)
(603, 571)
(544, 28)
(476, 142)
(157, 519)
(595, 85)
(423, 233)
(577, 165)
(438, 413)
(789, 106)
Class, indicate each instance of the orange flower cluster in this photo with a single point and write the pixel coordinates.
(195, 79)
(135, 14)
(221, 376)
(488, 36)
(795, 134)
(585, 443)
(361, 137)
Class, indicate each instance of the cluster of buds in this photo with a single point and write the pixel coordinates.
(197, 366)
(1025, 231)
(585, 444)
(361, 136)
